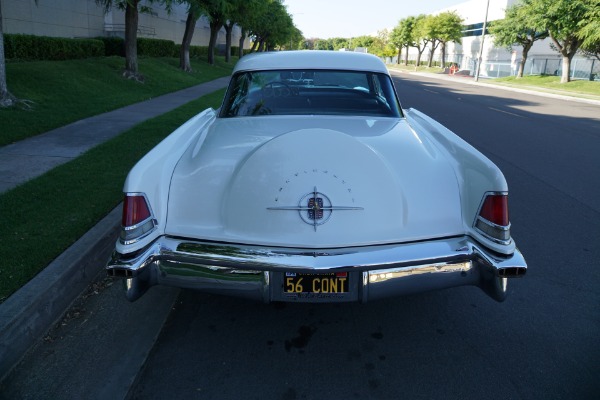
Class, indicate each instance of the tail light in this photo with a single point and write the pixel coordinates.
(492, 219)
(137, 220)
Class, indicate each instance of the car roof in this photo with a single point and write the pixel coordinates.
(310, 59)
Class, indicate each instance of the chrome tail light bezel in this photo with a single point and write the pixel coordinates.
(131, 234)
(497, 233)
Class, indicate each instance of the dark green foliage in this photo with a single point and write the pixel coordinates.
(113, 46)
(195, 51)
(235, 51)
(30, 47)
(156, 48)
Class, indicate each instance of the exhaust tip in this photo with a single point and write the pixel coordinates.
(119, 273)
(512, 272)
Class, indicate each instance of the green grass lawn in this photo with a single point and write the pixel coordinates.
(66, 91)
(551, 83)
(43, 217)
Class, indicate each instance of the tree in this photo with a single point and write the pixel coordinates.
(240, 13)
(340, 43)
(131, 27)
(380, 45)
(517, 27)
(590, 31)
(194, 12)
(322, 44)
(272, 28)
(6, 98)
(430, 33)
(406, 35)
(363, 41)
(396, 41)
(216, 11)
(419, 37)
(449, 30)
(564, 20)
(246, 14)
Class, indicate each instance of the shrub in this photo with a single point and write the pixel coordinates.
(195, 51)
(30, 47)
(235, 51)
(156, 47)
(113, 46)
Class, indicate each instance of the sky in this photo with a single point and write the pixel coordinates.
(326, 19)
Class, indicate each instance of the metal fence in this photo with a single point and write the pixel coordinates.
(581, 68)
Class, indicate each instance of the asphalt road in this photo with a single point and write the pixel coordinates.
(543, 342)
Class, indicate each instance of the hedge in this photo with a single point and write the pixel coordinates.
(18, 47)
(235, 51)
(30, 47)
(113, 46)
(155, 47)
(195, 51)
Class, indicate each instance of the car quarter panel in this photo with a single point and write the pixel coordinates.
(475, 173)
(152, 174)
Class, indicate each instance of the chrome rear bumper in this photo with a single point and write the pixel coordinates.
(375, 271)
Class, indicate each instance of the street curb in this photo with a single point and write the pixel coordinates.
(27, 314)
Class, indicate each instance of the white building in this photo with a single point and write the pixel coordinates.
(85, 19)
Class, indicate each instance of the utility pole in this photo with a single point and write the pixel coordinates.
(487, 8)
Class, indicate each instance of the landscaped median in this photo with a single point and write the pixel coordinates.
(43, 217)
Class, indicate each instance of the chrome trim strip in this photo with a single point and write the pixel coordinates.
(246, 271)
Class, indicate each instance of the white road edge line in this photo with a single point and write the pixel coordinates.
(506, 112)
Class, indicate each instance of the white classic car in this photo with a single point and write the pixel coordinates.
(311, 183)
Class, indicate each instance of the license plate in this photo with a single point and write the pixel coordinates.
(336, 282)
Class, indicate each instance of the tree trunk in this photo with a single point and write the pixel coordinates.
(131, 25)
(443, 62)
(430, 60)
(568, 49)
(6, 99)
(399, 55)
(566, 69)
(254, 45)
(524, 54)
(215, 27)
(434, 45)
(184, 54)
(241, 43)
(228, 29)
(419, 57)
(406, 55)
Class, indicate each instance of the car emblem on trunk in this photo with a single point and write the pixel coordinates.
(315, 208)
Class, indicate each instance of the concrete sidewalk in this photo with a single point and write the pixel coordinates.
(28, 314)
(29, 158)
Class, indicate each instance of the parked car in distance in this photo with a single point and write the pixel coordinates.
(312, 184)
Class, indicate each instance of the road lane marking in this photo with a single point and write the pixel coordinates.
(506, 112)
(430, 91)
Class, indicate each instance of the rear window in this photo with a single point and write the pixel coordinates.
(310, 92)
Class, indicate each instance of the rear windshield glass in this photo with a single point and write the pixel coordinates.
(310, 92)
